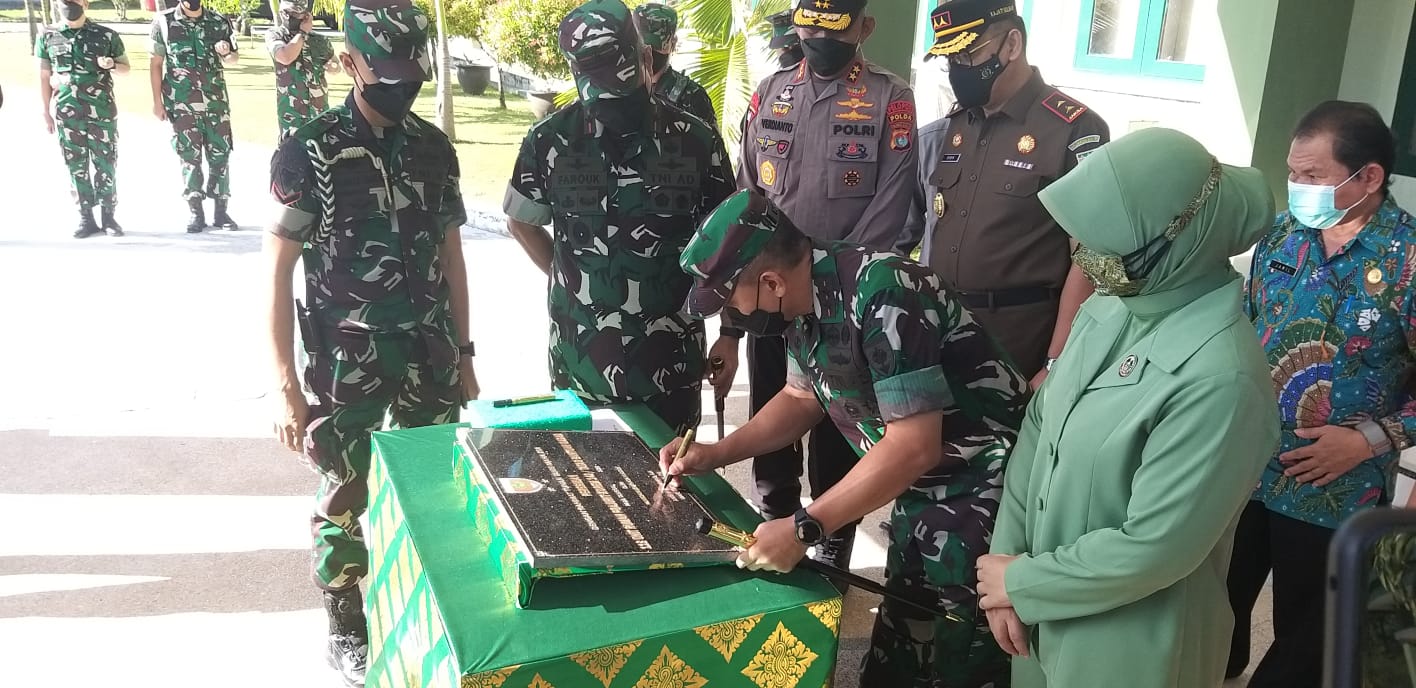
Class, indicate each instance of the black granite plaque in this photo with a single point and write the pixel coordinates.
(590, 500)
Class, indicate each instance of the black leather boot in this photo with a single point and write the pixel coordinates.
(836, 551)
(348, 635)
(109, 224)
(219, 218)
(196, 217)
(87, 227)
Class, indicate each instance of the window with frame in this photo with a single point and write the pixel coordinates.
(1139, 38)
(1403, 123)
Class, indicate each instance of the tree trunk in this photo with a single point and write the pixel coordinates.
(447, 116)
(33, 27)
(122, 7)
(47, 13)
(501, 86)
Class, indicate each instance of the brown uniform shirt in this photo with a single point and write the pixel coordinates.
(838, 157)
(991, 235)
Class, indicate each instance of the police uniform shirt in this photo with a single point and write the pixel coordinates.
(836, 156)
(991, 233)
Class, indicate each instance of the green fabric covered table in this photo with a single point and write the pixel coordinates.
(440, 615)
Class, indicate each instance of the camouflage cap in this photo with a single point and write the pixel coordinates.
(657, 24)
(727, 241)
(837, 16)
(392, 35)
(601, 44)
(784, 33)
(958, 24)
(294, 6)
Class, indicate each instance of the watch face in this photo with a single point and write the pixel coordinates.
(808, 532)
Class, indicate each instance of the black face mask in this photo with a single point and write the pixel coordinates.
(293, 24)
(790, 57)
(658, 61)
(392, 101)
(622, 115)
(759, 323)
(73, 11)
(828, 56)
(973, 86)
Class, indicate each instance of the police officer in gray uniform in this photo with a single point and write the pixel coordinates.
(830, 141)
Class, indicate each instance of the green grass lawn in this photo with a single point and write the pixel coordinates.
(488, 137)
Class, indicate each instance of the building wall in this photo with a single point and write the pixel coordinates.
(1372, 70)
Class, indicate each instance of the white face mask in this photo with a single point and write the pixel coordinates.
(1315, 205)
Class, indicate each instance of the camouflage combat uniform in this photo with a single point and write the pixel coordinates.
(194, 96)
(623, 206)
(658, 26)
(886, 342)
(301, 90)
(685, 93)
(379, 300)
(85, 115)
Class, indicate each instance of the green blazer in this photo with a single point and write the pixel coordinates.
(1123, 493)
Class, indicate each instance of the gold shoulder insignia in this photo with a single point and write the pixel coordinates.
(1064, 106)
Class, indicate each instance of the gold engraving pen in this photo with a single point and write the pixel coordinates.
(723, 532)
(683, 449)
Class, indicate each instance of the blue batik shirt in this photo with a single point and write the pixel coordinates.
(1339, 334)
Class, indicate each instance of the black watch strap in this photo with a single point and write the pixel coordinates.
(731, 332)
(809, 531)
(468, 349)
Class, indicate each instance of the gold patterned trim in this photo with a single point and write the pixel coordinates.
(538, 682)
(606, 662)
(668, 671)
(727, 636)
(828, 612)
(781, 662)
(489, 679)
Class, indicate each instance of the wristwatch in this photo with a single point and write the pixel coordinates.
(730, 332)
(1051, 362)
(467, 349)
(808, 530)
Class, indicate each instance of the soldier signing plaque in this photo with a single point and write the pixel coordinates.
(589, 500)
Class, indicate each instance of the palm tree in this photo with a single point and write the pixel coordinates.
(720, 30)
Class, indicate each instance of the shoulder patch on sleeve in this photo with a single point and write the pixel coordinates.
(290, 172)
(754, 106)
(1062, 105)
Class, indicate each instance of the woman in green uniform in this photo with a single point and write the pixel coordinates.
(1137, 455)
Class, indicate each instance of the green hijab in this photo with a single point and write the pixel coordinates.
(1128, 193)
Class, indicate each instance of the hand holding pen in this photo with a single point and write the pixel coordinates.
(683, 456)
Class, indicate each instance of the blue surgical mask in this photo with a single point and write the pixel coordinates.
(1315, 205)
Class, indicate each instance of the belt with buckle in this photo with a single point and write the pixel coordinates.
(1004, 298)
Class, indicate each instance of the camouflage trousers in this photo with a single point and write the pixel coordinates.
(933, 550)
(90, 148)
(680, 409)
(294, 113)
(372, 377)
(198, 134)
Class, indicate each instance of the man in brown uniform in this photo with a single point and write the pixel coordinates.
(831, 141)
(1009, 137)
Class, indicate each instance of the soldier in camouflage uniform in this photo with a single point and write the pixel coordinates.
(371, 200)
(658, 28)
(920, 392)
(301, 59)
(190, 45)
(623, 179)
(77, 59)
